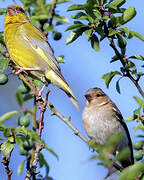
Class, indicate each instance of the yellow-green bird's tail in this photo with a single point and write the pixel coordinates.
(60, 82)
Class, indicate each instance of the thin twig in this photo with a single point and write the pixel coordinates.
(122, 60)
(52, 11)
(38, 146)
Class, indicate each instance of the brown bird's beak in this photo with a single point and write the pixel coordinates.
(11, 11)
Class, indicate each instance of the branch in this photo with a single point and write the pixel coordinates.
(66, 121)
(52, 11)
(122, 60)
(6, 162)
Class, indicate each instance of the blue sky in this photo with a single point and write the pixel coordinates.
(83, 69)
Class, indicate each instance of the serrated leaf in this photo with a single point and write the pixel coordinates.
(129, 14)
(6, 147)
(76, 7)
(132, 172)
(4, 62)
(108, 77)
(20, 167)
(8, 115)
(139, 101)
(95, 42)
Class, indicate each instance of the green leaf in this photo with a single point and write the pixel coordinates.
(88, 33)
(97, 13)
(61, 18)
(129, 14)
(60, 59)
(20, 168)
(108, 77)
(47, 28)
(138, 35)
(140, 126)
(76, 27)
(139, 101)
(112, 32)
(76, 7)
(43, 162)
(19, 98)
(95, 42)
(111, 6)
(2, 127)
(137, 57)
(121, 41)
(50, 150)
(63, 1)
(132, 172)
(6, 147)
(117, 86)
(8, 115)
(4, 62)
(131, 118)
(27, 97)
(73, 36)
(118, 3)
(80, 16)
(37, 83)
(137, 113)
(2, 11)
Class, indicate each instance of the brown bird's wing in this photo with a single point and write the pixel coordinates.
(120, 118)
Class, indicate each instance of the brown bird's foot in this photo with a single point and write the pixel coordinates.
(38, 94)
(17, 69)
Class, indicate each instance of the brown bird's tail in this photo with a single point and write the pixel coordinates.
(58, 80)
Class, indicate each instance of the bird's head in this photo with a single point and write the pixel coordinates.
(15, 14)
(96, 96)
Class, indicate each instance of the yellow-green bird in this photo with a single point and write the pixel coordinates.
(28, 48)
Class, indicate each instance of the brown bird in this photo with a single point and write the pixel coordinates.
(101, 119)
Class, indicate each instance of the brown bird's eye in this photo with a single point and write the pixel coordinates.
(20, 9)
(98, 95)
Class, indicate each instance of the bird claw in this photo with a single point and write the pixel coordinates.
(17, 69)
